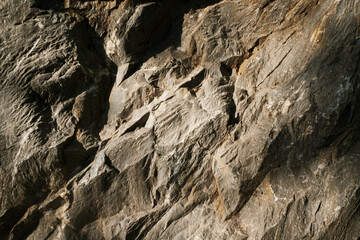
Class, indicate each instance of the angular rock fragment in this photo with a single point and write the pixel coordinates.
(179, 119)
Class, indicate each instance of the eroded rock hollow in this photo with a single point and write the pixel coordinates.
(232, 119)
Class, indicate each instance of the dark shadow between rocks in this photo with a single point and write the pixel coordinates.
(169, 25)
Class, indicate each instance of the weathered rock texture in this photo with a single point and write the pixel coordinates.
(180, 119)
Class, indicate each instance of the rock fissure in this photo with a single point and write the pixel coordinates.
(179, 119)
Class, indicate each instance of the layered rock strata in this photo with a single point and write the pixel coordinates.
(180, 119)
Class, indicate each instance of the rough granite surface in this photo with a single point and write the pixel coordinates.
(232, 119)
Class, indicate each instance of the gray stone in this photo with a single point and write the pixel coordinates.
(179, 119)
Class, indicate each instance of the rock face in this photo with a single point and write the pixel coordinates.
(180, 119)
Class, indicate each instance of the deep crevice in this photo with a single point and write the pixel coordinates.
(139, 123)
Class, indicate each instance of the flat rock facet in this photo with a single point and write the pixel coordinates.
(183, 119)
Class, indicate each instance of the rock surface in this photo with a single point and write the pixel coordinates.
(180, 119)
